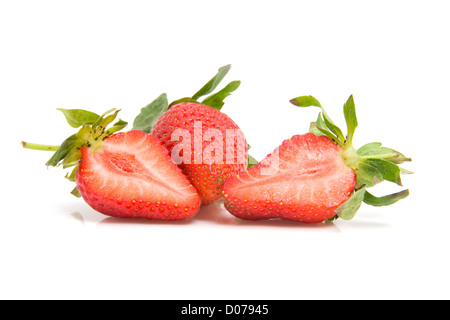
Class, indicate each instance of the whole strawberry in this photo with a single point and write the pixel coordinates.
(316, 176)
(127, 174)
(207, 144)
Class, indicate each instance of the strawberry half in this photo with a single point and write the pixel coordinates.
(310, 183)
(316, 176)
(207, 144)
(129, 175)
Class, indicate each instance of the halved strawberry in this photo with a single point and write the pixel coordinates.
(129, 175)
(310, 183)
(132, 176)
(316, 176)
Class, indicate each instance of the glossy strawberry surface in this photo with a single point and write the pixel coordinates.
(304, 179)
(209, 167)
(131, 175)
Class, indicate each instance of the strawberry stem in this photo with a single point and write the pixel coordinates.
(350, 157)
(41, 147)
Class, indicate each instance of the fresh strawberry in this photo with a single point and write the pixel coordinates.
(311, 182)
(316, 176)
(129, 175)
(207, 171)
(207, 145)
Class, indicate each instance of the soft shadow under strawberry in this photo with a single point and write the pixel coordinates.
(132, 221)
(217, 214)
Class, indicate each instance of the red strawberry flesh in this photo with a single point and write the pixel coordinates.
(305, 179)
(132, 175)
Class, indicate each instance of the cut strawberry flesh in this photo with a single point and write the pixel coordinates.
(304, 179)
(132, 175)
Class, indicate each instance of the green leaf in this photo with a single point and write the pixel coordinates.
(73, 174)
(85, 133)
(101, 118)
(77, 117)
(404, 171)
(185, 99)
(389, 171)
(386, 200)
(371, 171)
(72, 158)
(76, 193)
(306, 101)
(333, 128)
(313, 129)
(150, 114)
(310, 101)
(63, 150)
(251, 162)
(106, 121)
(119, 125)
(350, 118)
(349, 208)
(321, 130)
(216, 100)
(322, 125)
(372, 148)
(375, 150)
(367, 174)
(213, 83)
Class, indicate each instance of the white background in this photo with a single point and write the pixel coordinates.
(393, 56)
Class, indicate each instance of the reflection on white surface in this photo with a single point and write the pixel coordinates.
(214, 214)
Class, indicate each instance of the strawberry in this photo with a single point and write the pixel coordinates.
(311, 183)
(316, 176)
(207, 171)
(207, 144)
(127, 174)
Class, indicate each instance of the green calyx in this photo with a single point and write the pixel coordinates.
(372, 163)
(215, 100)
(94, 129)
(148, 116)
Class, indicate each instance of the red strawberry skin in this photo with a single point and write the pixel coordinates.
(207, 175)
(131, 175)
(308, 182)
